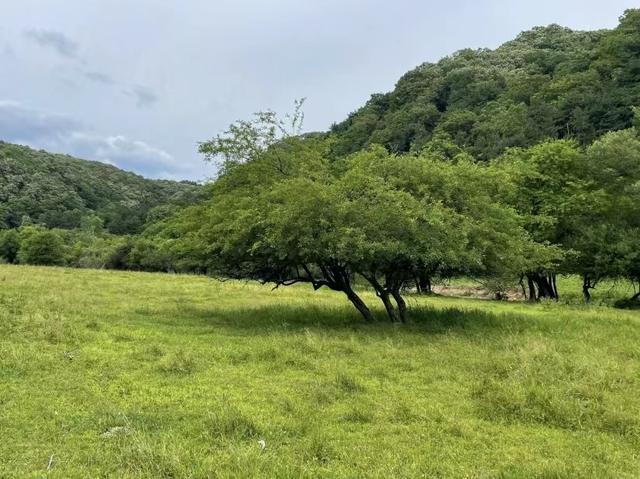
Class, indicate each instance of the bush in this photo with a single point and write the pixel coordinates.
(41, 247)
(118, 259)
(149, 255)
(94, 251)
(9, 246)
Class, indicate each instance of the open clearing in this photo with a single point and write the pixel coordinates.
(117, 374)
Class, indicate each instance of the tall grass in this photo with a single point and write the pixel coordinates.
(132, 375)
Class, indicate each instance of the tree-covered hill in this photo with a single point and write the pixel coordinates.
(550, 82)
(58, 191)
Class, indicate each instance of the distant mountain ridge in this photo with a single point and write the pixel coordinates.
(549, 82)
(58, 191)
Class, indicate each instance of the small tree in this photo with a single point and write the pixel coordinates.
(9, 245)
(249, 140)
(550, 180)
(40, 247)
(608, 245)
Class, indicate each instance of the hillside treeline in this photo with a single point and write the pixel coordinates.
(550, 82)
(59, 191)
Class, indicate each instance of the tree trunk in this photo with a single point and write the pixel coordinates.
(544, 286)
(424, 283)
(532, 289)
(383, 294)
(402, 305)
(524, 290)
(337, 278)
(359, 304)
(635, 296)
(388, 306)
(586, 286)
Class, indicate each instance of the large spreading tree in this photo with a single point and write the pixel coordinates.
(291, 213)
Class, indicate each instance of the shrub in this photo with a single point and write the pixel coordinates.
(41, 247)
(9, 245)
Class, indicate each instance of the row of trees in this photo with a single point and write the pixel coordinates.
(586, 201)
(285, 210)
(90, 246)
(295, 217)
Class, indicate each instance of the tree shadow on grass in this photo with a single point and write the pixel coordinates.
(422, 320)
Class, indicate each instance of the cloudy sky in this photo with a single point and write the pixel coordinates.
(137, 83)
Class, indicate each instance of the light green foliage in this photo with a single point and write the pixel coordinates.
(40, 246)
(247, 140)
(89, 251)
(292, 214)
(550, 179)
(183, 375)
(447, 218)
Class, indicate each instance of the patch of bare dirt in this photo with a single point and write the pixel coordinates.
(476, 292)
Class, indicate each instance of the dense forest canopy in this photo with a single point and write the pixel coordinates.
(58, 191)
(550, 82)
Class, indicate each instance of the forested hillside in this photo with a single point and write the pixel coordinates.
(58, 191)
(550, 82)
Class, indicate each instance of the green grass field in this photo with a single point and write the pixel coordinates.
(132, 375)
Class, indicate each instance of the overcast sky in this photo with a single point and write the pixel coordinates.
(137, 83)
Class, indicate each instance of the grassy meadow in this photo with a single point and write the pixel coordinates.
(134, 375)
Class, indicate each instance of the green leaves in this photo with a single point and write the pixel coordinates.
(549, 82)
(381, 216)
(58, 191)
(585, 201)
(247, 140)
(41, 247)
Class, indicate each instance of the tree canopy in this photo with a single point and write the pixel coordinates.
(294, 214)
(550, 82)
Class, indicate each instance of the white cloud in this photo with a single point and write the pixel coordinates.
(144, 96)
(58, 133)
(123, 152)
(58, 41)
(19, 123)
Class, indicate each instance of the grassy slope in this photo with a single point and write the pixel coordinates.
(194, 372)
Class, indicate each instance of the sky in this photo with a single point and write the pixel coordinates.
(138, 83)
